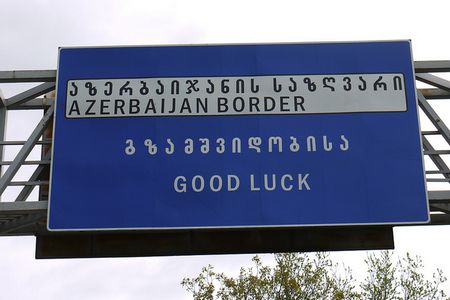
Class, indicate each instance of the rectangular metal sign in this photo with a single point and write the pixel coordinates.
(219, 136)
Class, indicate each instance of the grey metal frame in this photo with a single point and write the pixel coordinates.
(25, 217)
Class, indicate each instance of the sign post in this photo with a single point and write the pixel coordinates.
(236, 136)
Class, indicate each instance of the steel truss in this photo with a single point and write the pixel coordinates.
(26, 216)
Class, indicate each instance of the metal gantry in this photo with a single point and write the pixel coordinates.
(24, 215)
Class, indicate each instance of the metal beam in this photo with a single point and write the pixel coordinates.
(26, 191)
(18, 208)
(432, 66)
(438, 152)
(440, 219)
(21, 222)
(434, 196)
(30, 94)
(27, 162)
(195, 242)
(29, 183)
(430, 132)
(438, 180)
(439, 201)
(28, 76)
(438, 172)
(18, 143)
(26, 149)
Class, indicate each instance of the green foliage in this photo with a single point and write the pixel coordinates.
(380, 282)
(300, 276)
(402, 280)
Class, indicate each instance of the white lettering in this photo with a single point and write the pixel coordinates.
(285, 187)
(253, 188)
(267, 187)
(302, 182)
(218, 187)
(179, 184)
(230, 186)
(198, 183)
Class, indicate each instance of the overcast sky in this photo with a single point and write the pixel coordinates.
(31, 32)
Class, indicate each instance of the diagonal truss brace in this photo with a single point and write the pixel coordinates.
(30, 94)
(434, 81)
(434, 117)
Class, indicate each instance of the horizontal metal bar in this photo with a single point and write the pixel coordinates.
(435, 94)
(438, 179)
(432, 66)
(438, 172)
(440, 219)
(431, 132)
(7, 219)
(438, 195)
(436, 152)
(19, 208)
(9, 216)
(18, 143)
(50, 75)
(27, 162)
(28, 76)
(22, 183)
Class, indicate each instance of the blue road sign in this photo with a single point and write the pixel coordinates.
(236, 136)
